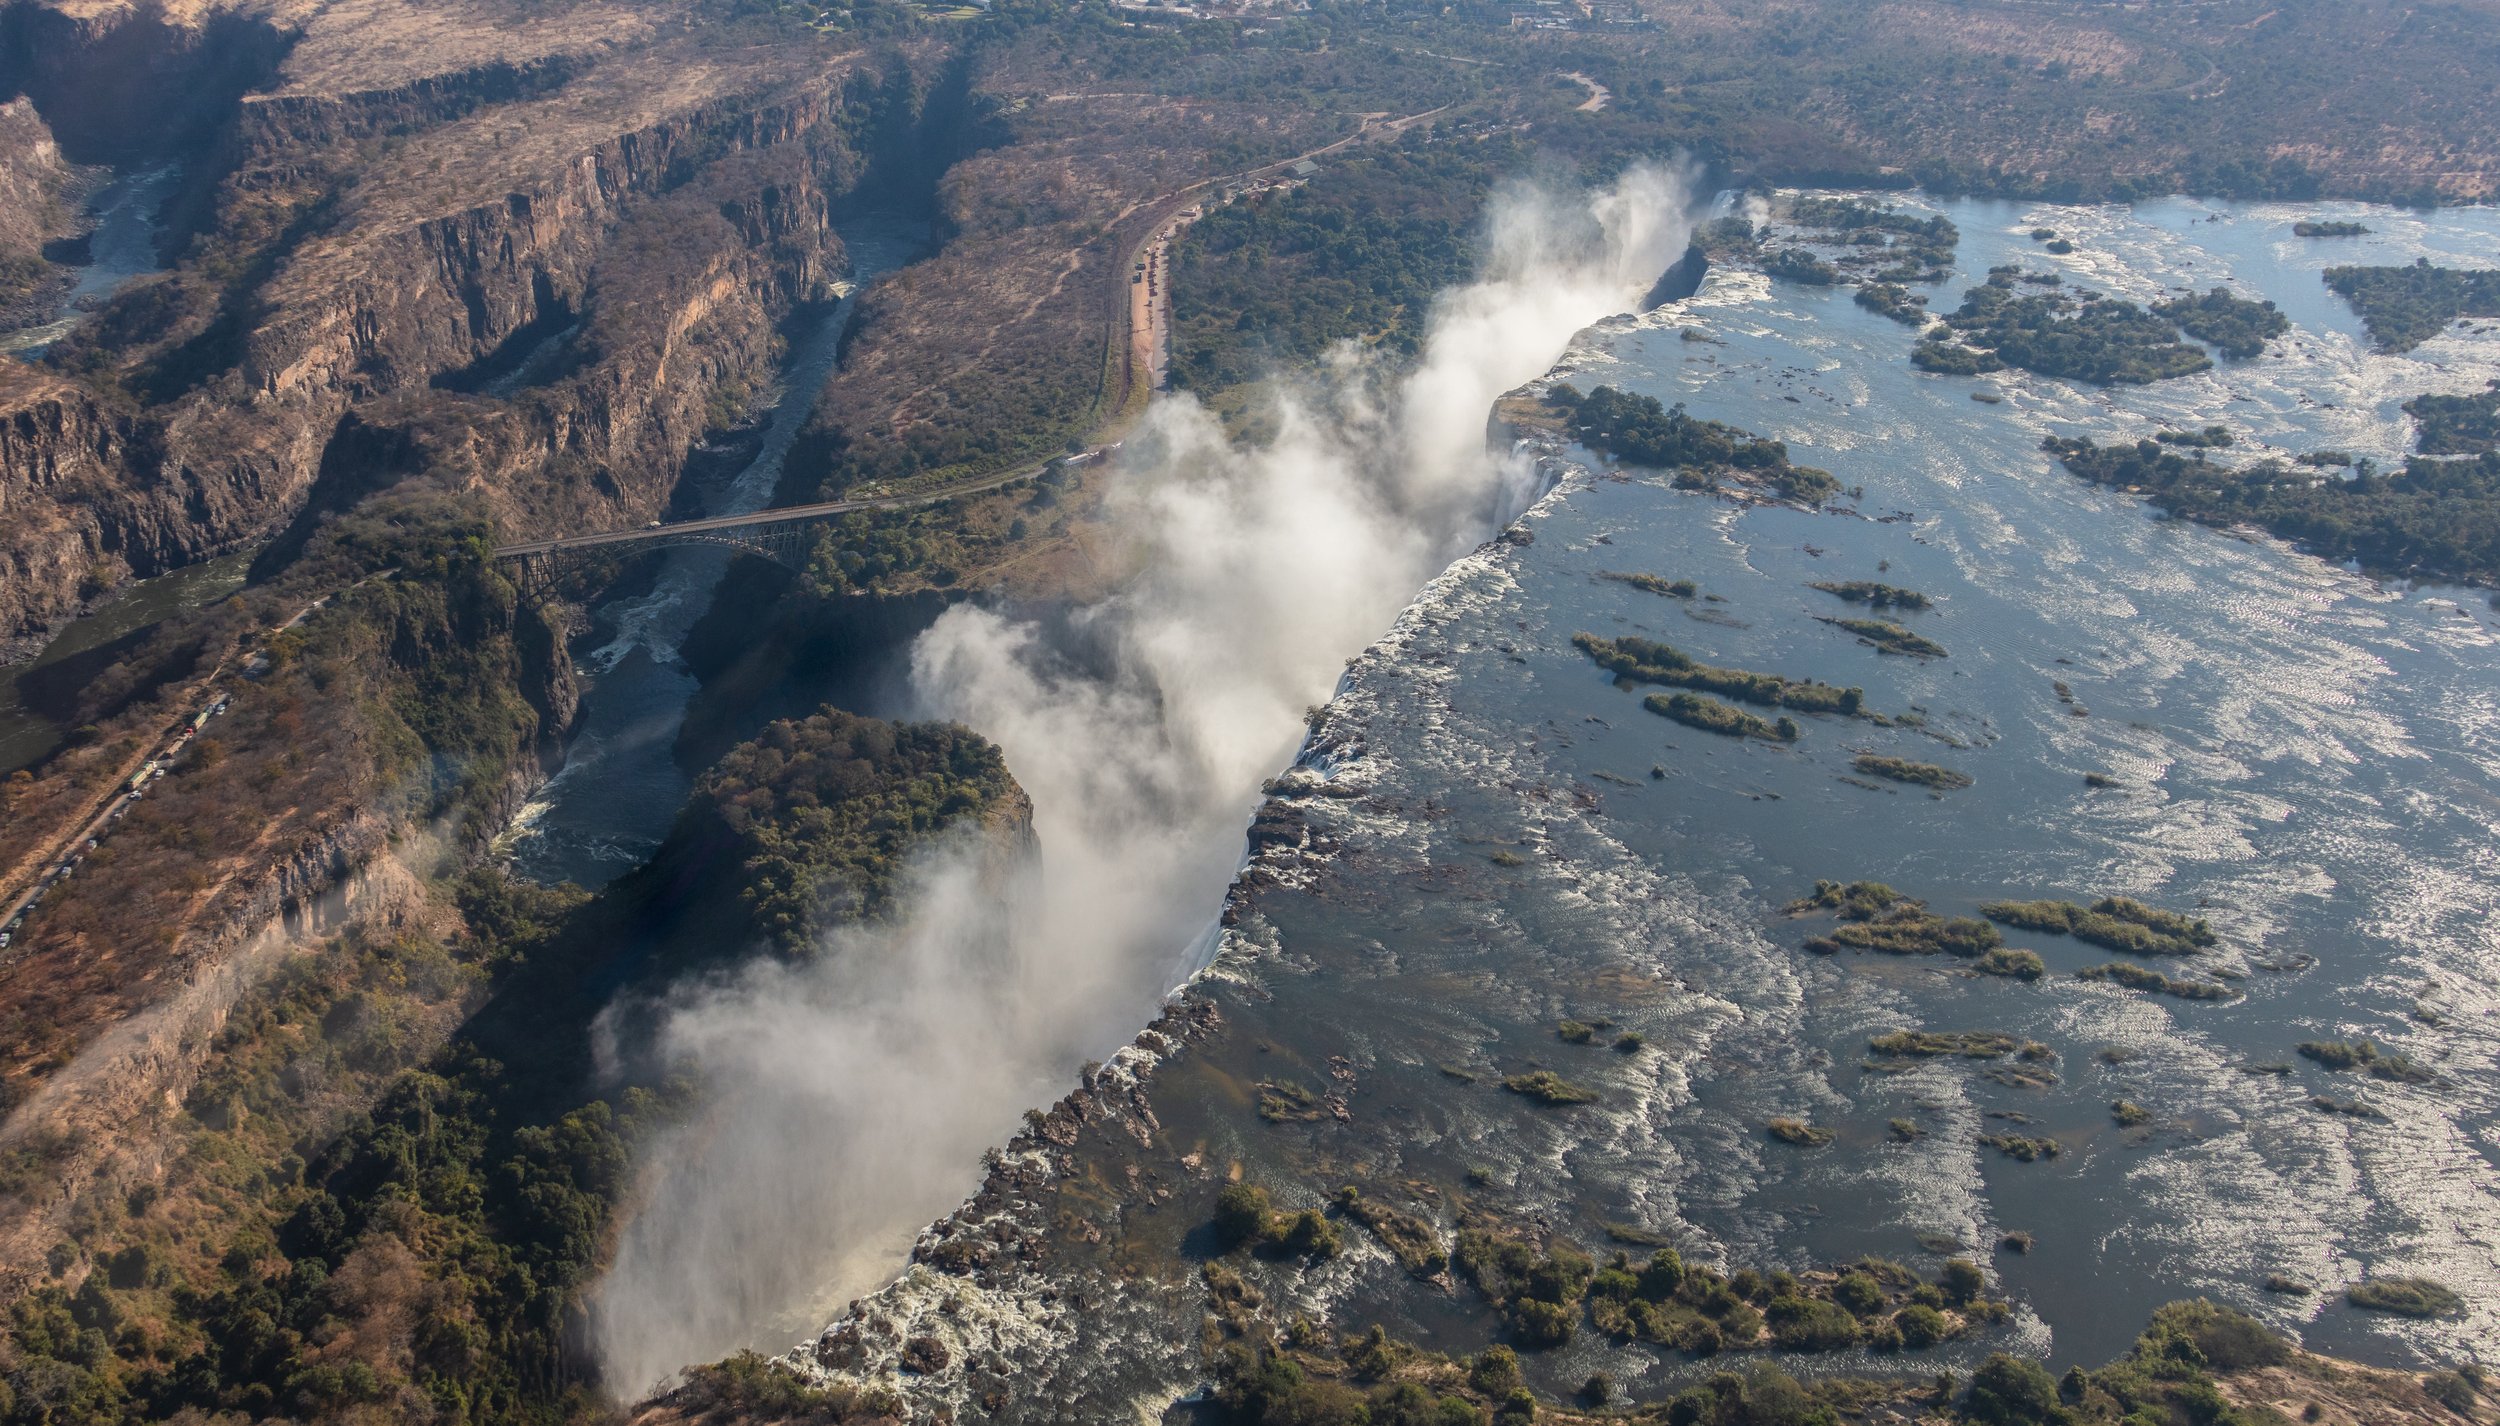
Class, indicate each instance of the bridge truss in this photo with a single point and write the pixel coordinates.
(786, 542)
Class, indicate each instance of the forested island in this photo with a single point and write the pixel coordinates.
(2087, 336)
(2436, 518)
(2404, 307)
(1642, 431)
(2456, 425)
(1633, 659)
(2237, 326)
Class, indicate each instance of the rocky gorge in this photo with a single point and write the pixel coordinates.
(536, 277)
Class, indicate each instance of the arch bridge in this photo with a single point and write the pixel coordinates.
(783, 536)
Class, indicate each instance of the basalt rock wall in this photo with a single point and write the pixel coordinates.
(549, 323)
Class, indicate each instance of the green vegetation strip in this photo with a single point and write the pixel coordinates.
(1654, 584)
(1874, 917)
(1638, 660)
(2113, 921)
(2023, 1147)
(2405, 1296)
(2012, 964)
(1711, 716)
(1868, 592)
(1887, 637)
(2136, 977)
(1940, 1044)
(1640, 430)
(1903, 770)
(2367, 1057)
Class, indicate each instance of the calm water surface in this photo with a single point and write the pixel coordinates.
(121, 246)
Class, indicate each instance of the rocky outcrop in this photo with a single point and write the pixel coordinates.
(33, 176)
(123, 84)
(98, 1119)
(544, 284)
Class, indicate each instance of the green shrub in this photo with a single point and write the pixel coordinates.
(1808, 1325)
(2015, 964)
(1243, 1215)
(1919, 1325)
(2404, 1296)
(2011, 1391)
(1547, 1087)
(1859, 1293)
(1495, 1372)
(2229, 1341)
(1961, 1280)
(1309, 1234)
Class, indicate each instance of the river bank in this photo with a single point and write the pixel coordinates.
(1484, 841)
(609, 806)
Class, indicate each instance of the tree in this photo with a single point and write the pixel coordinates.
(1242, 1215)
(2011, 1391)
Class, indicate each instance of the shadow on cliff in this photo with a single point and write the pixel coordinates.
(767, 650)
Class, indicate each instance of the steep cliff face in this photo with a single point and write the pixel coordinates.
(32, 177)
(286, 825)
(122, 83)
(99, 1118)
(545, 274)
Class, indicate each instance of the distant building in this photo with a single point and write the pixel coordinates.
(1302, 168)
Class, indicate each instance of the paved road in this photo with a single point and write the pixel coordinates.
(1172, 213)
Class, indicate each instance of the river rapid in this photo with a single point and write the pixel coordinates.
(608, 808)
(1482, 837)
(2301, 755)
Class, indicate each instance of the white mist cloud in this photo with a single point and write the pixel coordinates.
(849, 1100)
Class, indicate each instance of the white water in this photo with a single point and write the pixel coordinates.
(848, 1100)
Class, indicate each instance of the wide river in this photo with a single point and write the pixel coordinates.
(2308, 759)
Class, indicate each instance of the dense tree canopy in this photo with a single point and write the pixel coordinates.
(2404, 307)
(821, 810)
(2437, 517)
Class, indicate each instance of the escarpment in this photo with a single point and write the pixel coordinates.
(536, 278)
(32, 214)
(128, 83)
